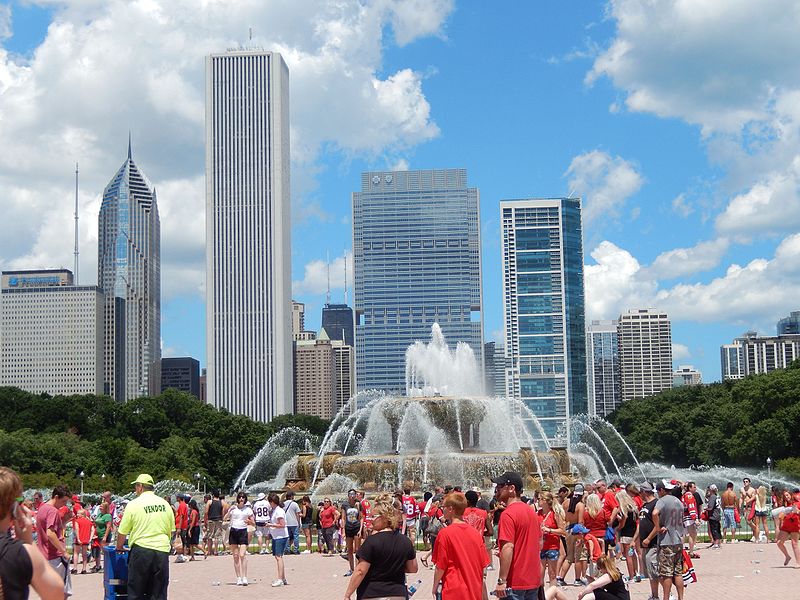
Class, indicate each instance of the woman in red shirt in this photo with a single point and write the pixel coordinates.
(552, 531)
(327, 519)
(789, 529)
(595, 518)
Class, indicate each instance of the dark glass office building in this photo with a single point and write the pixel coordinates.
(181, 374)
(337, 321)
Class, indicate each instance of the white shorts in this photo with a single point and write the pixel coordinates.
(262, 531)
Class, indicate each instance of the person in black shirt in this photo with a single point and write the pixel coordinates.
(646, 535)
(384, 558)
(608, 586)
(21, 563)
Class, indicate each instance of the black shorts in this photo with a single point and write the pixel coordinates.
(237, 537)
(351, 533)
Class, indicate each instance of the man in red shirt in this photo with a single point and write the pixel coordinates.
(410, 513)
(519, 539)
(50, 534)
(479, 519)
(182, 526)
(459, 555)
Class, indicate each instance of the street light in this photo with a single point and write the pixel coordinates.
(197, 478)
(82, 475)
(204, 484)
(769, 467)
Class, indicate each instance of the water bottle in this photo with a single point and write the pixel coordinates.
(631, 552)
(494, 592)
(412, 589)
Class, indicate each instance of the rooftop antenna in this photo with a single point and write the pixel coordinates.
(328, 294)
(76, 225)
(129, 144)
(345, 276)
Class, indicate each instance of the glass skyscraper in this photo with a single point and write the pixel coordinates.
(416, 245)
(248, 245)
(129, 274)
(337, 321)
(603, 355)
(544, 309)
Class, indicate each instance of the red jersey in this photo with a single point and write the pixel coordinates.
(596, 524)
(83, 530)
(475, 517)
(550, 541)
(519, 524)
(593, 547)
(610, 502)
(410, 509)
(182, 516)
(460, 553)
(689, 506)
(366, 508)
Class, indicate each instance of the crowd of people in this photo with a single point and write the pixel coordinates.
(597, 536)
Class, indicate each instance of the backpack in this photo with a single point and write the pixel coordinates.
(435, 524)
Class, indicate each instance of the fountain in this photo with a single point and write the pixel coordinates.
(444, 429)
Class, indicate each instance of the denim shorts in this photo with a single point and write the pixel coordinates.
(279, 546)
(729, 521)
(548, 555)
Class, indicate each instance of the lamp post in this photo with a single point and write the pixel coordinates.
(82, 475)
(197, 479)
(769, 467)
(204, 484)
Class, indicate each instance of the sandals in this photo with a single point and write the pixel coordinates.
(424, 561)
(694, 555)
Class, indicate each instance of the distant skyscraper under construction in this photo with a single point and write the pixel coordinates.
(248, 246)
(129, 275)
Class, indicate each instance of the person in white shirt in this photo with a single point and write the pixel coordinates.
(280, 536)
(240, 517)
(261, 512)
(292, 511)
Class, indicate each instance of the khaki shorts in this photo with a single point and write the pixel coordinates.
(670, 561)
(214, 531)
(571, 540)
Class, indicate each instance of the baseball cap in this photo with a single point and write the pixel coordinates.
(646, 487)
(579, 490)
(578, 529)
(75, 498)
(261, 496)
(509, 477)
(144, 479)
(664, 485)
(713, 487)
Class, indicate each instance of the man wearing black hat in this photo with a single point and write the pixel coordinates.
(519, 540)
(148, 523)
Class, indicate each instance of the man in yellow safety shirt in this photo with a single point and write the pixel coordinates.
(147, 524)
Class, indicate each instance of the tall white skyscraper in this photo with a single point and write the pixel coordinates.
(248, 245)
(602, 355)
(129, 274)
(645, 353)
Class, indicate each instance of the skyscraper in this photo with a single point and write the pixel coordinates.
(181, 373)
(602, 352)
(686, 375)
(416, 245)
(337, 320)
(752, 354)
(645, 353)
(248, 247)
(790, 325)
(129, 274)
(544, 309)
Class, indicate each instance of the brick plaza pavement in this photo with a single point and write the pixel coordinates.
(730, 572)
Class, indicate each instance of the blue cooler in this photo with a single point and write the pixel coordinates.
(115, 573)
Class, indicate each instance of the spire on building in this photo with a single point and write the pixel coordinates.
(129, 144)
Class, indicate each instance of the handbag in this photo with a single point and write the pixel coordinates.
(610, 535)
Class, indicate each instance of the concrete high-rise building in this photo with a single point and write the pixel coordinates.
(315, 378)
(645, 353)
(686, 375)
(790, 325)
(203, 397)
(298, 319)
(337, 320)
(544, 309)
(751, 354)
(129, 274)
(417, 255)
(182, 374)
(602, 354)
(494, 368)
(248, 246)
(51, 333)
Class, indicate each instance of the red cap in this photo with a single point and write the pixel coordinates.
(76, 499)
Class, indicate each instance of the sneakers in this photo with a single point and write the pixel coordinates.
(306, 552)
(581, 582)
(278, 583)
(348, 574)
(244, 580)
(239, 581)
(637, 578)
(181, 559)
(560, 581)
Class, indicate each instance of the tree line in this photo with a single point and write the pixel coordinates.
(738, 423)
(172, 436)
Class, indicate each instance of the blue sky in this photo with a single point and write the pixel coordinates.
(678, 126)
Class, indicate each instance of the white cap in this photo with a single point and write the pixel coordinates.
(261, 496)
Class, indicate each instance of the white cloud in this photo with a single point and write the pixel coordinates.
(5, 21)
(772, 204)
(760, 291)
(682, 206)
(604, 182)
(687, 261)
(316, 274)
(680, 351)
(108, 67)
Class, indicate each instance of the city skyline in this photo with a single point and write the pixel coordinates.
(690, 189)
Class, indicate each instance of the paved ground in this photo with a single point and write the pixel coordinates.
(741, 570)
